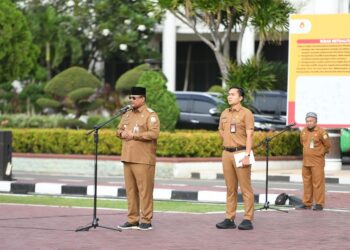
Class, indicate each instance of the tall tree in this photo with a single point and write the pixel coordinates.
(86, 32)
(223, 17)
(219, 18)
(116, 28)
(54, 33)
(17, 53)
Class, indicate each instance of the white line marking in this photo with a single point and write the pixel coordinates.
(340, 192)
(25, 178)
(70, 180)
(287, 189)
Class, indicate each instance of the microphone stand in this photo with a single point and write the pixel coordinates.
(96, 128)
(266, 142)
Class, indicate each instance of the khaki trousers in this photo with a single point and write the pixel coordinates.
(314, 185)
(233, 176)
(139, 185)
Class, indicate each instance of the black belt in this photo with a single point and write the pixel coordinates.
(234, 149)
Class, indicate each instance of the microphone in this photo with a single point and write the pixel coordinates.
(125, 109)
(292, 124)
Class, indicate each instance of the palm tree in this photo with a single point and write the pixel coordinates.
(221, 18)
(270, 17)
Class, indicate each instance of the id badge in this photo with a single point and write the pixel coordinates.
(233, 128)
(312, 144)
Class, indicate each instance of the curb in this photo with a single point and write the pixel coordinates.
(120, 193)
(279, 178)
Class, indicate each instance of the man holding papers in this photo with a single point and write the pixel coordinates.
(236, 130)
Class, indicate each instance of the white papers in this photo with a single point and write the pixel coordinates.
(239, 157)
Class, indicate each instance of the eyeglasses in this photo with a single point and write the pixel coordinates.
(134, 97)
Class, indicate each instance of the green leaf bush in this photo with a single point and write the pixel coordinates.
(73, 90)
(170, 144)
(71, 123)
(71, 79)
(48, 103)
(81, 93)
(160, 99)
(130, 78)
(30, 121)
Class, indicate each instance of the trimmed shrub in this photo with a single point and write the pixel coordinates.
(181, 143)
(130, 78)
(81, 93)
(73, 90)
(160, 99)
(71, 79)
(48, 103)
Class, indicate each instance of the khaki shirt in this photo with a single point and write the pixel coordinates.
(244, 120)
(142, 148)
(315, 145)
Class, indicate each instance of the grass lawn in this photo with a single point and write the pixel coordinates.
(175, 206)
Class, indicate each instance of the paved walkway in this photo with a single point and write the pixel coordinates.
(41, 227)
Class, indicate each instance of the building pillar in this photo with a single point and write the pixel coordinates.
(169, 50)
(248, 44)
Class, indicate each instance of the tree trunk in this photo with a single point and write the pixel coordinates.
(28, 106)
(223, 65)
(48, 60)
(260, 48)
(227, 49)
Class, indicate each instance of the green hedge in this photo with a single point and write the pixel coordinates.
(179, 143)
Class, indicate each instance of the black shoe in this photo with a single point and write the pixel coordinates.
(317, 207)
(226, 224)
(128, 225)
(303, 206)
(145, 226)
(245, 225)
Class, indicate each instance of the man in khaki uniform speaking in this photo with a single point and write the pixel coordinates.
(139, 130)
(316, 144)
(236, 130)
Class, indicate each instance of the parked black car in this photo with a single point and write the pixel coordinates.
(200, 110)
(270, 108)
(271, 102)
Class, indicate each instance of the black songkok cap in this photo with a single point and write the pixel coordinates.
(138, 91)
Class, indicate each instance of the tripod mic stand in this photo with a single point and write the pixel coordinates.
(95, 220)
(266, 142)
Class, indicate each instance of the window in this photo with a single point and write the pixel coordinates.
(184, 105)
(202, 107)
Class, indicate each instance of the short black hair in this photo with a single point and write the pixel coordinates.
(239, 89)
